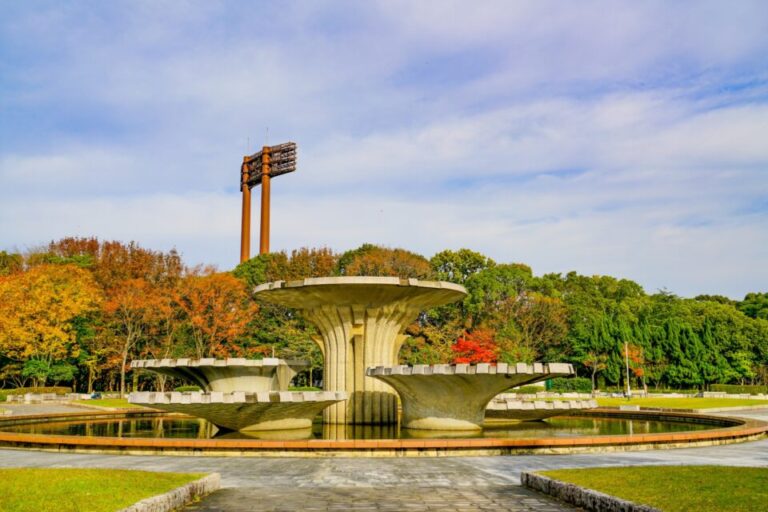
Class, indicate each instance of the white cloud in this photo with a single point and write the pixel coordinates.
(606, 137)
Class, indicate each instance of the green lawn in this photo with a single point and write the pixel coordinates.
(115, 403)
(677, 488)
(681, 403)
(304, 388)
(82, 490)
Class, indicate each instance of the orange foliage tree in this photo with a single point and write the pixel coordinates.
(113, 262)
(636, 358)
(217, 308)
(131, 308)
(163, 335)
(38, 308)
(134, 280)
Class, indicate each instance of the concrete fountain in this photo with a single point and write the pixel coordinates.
(237, 394)
(361, 322)
(455, 397)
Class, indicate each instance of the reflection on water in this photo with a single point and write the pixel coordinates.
(191, 428)
(574, 426)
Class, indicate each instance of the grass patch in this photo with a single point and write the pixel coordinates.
(677, 488)
(115, 403)
(304, 388)
(82, 490)
(681, 403)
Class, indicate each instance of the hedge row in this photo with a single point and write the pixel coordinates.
(570, 385)
(527, 390)
(183, 389)
(736, 389)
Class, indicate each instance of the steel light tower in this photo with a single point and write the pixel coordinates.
(258, 169)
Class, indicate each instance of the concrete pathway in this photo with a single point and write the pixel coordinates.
(450, 483)
(50, 408)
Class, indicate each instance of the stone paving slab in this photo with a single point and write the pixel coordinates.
(497, 498)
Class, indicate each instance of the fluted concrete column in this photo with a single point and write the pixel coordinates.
(361, 322)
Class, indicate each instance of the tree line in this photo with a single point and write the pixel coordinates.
(79, 310)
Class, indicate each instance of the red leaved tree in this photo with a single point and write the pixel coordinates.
(477, 346)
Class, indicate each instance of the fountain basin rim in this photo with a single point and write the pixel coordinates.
(235, 397)
(216, 363)
(427, 370)
(732, 429)
(361, 281)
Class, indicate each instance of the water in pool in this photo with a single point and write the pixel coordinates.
(190, 428)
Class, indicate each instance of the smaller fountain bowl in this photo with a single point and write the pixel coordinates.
(265, 410)
(228, 375)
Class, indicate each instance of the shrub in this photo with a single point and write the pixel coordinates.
(692, 391)
(184, 389)
(570, 385)
(527, 390)
(736, 389)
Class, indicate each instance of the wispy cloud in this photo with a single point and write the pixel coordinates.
(607, 137)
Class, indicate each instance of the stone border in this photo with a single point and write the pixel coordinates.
(218, 363)
(579, 496)
(507, 406)
(473, 369)
(150, 398)
(732, 430)
(179, 497)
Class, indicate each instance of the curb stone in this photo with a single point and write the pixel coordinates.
(177, 498)
(579, 496)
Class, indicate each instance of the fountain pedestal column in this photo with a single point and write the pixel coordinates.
(361, 322)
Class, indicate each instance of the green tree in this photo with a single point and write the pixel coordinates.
(458, 266)
(10, 263)
(755, 305)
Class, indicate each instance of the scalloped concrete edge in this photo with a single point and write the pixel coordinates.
(581, 497)
(179, 497)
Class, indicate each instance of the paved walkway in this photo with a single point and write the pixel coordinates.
(41, 408)
(450, 483)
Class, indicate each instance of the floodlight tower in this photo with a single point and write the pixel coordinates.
(258, 169)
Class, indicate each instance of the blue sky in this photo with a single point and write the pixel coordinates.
(619, 138)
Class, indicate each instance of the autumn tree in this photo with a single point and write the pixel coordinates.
(131, 308)
(477, 346)
(163, 336)
(217, 309)
(38, 309)
(635, 358)
(113, 262)
(373, 260)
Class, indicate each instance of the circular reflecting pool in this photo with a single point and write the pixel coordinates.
(190, 428)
